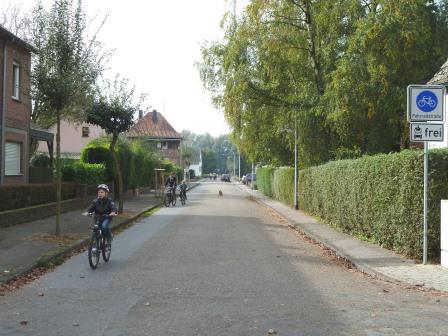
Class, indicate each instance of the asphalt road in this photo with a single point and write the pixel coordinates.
(217, 266)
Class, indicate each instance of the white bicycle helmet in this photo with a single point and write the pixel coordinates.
(103, 186)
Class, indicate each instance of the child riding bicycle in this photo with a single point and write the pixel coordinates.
(104, 209)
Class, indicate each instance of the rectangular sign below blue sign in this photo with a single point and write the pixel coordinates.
(421, 132)
(426, 103)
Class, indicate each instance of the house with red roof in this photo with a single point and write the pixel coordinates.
(156, 130)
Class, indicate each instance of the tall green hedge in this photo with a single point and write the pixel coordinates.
(86, 173)
(137, 159)
(265, 176)
(376, 197)
(277, 183)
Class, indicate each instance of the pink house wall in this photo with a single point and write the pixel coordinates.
(72, 140)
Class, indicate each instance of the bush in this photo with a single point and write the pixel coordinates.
(40, 160)
(380, 198)
(265, 177)
(137, 161)
(85, 173)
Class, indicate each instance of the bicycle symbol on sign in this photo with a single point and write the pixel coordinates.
(426, 101)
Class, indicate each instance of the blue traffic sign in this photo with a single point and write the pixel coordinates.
(426, 101)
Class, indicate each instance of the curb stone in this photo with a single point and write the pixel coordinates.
(360, 266)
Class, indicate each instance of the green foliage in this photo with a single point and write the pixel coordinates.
(40, 160)
(137, 160)
(380, 198)
(283, 185)
(265, 177)
(274, 67)
(191, 173)
(85, 173)
(208, 161)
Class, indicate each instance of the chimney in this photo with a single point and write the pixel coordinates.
(140, 114)
(154, 116)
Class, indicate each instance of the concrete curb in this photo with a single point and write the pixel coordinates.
(359, 265)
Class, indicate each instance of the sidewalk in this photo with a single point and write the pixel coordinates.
(25, 246)
(368, 258)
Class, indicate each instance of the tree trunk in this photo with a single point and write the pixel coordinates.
(58, 173)
(117, 169)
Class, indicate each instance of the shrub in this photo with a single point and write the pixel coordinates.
(85, 173)
(265, 178)
(40, 160)
(380, 197)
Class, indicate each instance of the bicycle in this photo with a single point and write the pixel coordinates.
(98, 243)
(170, 197)
(183, 197)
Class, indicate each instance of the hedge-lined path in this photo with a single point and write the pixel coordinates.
(26, 245)
(368, 258)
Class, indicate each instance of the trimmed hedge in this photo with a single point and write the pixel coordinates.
(265, 175)
(85, 173)
(379, 198)
(137, 160)
(26, 195)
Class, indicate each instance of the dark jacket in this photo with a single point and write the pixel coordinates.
(102, 206)
(171, 181)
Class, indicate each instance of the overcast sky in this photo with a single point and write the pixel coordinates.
(156, 43)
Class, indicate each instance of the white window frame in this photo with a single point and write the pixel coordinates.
(13, 158)
(165, 145)
(15, 80)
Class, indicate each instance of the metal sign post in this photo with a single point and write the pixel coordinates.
(426, 104)
(425, 203)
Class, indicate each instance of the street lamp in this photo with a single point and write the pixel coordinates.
(296, 202)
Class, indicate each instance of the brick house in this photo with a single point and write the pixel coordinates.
(156, 130)
(15, 108)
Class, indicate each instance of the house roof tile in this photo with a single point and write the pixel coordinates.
(441, 76)
(153, 125)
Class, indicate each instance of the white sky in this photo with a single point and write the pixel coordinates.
(156, 43)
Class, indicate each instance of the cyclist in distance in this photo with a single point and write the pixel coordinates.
(104, 208)
(171, 181)
(183, 189)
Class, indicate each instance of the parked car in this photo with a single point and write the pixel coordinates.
(225, 177)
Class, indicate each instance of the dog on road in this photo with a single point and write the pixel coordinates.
(220, 193)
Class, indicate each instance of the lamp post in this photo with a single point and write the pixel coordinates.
(296, 203)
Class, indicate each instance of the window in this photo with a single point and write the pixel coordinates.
(159, 145)
(164, 145)
(85, 132)
(12, 158)
(16, 81)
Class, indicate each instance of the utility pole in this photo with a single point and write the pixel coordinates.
(239, 165)
(296, 203)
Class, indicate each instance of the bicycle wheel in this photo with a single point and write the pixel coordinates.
(173, 200)
(94, 251)
(182, 199)
(107, 249)
(167, 200)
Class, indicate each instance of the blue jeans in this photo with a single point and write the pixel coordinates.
(105, 228)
